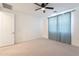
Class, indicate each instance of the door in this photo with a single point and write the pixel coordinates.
(6, 28)
(52, 28)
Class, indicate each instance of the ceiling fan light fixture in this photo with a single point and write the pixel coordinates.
(42, 8)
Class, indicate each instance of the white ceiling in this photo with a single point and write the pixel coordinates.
(30, 8)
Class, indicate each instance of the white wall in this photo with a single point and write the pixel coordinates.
(27, 27)
(44, 28)
(75, 27)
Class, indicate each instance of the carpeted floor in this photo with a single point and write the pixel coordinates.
(40, 47)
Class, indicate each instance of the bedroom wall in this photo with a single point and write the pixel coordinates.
(75, 27)
(27, 27)
(27, 23)
(44, 29)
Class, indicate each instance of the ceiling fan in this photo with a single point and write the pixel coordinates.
(43, 7)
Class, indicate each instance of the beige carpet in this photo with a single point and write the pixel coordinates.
(40, 47)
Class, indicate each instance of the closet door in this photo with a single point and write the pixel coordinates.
(64, 27)
(52, 28)
(6, 28)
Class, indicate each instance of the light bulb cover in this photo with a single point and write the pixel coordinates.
(42, 8)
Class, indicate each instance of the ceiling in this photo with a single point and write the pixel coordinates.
(30, 8)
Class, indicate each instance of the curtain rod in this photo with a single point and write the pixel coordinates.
(71, 10)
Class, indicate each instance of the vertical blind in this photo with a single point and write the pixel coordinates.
(59, 28)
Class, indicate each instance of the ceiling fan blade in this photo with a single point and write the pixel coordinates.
(37, 4)
(49, 7)
(46, 4)
(37, 9)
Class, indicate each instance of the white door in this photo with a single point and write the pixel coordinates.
(6, 28)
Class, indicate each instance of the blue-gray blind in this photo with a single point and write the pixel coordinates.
(59, 28)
